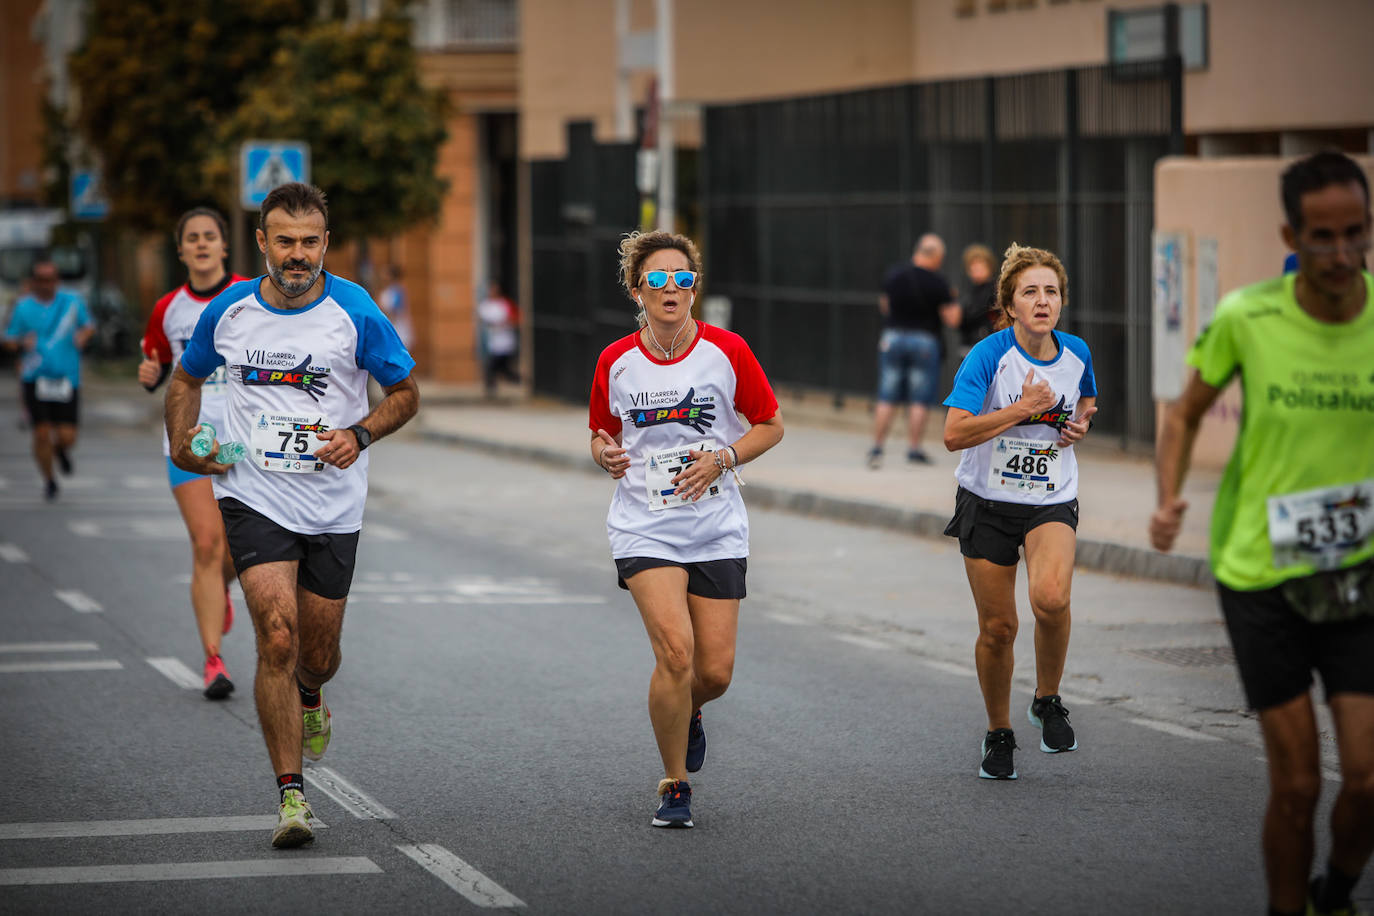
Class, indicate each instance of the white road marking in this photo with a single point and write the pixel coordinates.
(468, 590)
(48, 647)
(143, 482)
(184, 871)
(1170, 728)
(461, 876)
(176, 672)
(156, 826)
(380, 532)
(1076, 700)
(79, 601)
(85, 528)
(789, 620)
(165, 527)
(864, 641)
(13, 553)
(349, 797)
(949, 667)
(35, 667)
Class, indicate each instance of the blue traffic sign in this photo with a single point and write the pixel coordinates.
(88, 199)
(267, 164)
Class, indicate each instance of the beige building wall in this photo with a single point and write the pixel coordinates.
(726, 50)
(1236, 202)
(1274, 64)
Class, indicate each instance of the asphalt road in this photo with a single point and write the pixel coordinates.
(492, 747)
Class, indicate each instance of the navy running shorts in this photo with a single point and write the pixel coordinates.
(326, 560)
(991, 530)
(707, 579)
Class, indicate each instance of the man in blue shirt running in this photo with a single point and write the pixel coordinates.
(50, 327)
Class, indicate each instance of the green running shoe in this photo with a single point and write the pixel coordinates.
(315, 734)
(293, 821)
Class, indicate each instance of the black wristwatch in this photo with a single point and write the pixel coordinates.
(362, 435)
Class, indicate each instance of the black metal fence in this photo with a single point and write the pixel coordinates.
(808, 201)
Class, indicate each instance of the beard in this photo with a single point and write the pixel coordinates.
(294, 288)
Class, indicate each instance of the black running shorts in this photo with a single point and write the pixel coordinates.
(326, 560)
(707, 579)
(992, 530)
(1277, 648)
(51, 411)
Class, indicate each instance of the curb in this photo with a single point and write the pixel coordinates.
(1099, 556)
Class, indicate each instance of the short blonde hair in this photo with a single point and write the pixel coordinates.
(979, 253)
(1015, 260)
(635, 249)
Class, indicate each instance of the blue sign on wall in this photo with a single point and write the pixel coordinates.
(88, 200)
(267, 164)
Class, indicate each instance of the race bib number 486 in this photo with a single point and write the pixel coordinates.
(287, 443)
(1027, 465)
(1321, 526)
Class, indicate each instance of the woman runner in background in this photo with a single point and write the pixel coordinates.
(1023, 396)
(202, 247)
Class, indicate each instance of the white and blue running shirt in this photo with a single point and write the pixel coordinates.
(311, 362)
(991, 377)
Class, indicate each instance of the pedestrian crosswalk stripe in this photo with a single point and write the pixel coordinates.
(865, 642)
(48, 647)
(107, 664)
(184, 871)
(78, 601)
(349, 797)
(1169, 728)
(154, 826)
(176, 672)
(461, 876)
(13, 553)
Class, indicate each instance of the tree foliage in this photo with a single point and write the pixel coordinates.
(352, 90)
(169, 90)
(155, 80)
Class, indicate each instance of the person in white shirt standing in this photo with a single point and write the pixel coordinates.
(675, 408)
(298, 345)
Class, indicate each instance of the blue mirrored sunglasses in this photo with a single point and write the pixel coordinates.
(657, 279)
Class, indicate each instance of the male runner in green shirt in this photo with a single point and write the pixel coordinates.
(1293, 525)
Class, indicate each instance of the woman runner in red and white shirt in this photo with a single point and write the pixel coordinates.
(675, 408)
(202, 246)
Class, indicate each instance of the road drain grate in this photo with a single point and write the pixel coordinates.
(1189, 656)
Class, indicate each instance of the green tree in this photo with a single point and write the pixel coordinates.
(156, 80)
(353, 92)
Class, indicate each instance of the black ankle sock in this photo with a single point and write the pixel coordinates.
(1333, 890)
(290, 781)
(309, 698)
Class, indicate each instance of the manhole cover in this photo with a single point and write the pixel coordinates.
(1189, 656)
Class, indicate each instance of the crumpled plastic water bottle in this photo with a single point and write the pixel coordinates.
(230, 452)
(203, 441)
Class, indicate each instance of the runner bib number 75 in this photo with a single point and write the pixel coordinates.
(287, 443)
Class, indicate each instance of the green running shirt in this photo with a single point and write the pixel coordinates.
(1307, 422)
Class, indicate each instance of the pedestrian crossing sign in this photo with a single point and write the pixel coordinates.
(88, 199)
(268, 164)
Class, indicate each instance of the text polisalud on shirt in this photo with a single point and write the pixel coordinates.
(663, 409)
(290, 375)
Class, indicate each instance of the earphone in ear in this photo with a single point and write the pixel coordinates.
(693, 300)
(639, 300)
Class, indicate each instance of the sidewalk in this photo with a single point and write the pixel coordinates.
(819, 469)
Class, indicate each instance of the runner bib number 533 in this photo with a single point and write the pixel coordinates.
(1321, 526)
(287, 443)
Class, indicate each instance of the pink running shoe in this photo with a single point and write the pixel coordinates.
(217, 683)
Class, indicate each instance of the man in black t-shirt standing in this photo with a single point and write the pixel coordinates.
(916, 300)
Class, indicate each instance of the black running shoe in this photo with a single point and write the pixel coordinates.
(64, 461)
(50, 491)
(1049, 715)
(675, 804)
(997, 758)
(696, 743)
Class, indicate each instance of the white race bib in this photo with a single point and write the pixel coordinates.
(1321, 526)
(1024, 465)
(663, 467)
(287, 443)
(56, 390)
(215, 384)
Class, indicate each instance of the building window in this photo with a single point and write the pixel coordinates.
(481, 22)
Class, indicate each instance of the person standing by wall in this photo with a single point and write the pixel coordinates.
(500, 338)
(1293, 523)
(915, 302)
